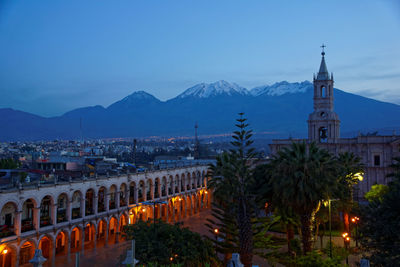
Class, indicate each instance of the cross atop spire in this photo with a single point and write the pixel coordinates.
(323, 49)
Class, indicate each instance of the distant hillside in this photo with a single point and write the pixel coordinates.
(280, 109)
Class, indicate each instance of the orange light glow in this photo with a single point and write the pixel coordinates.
(143, 210)
(344, 235)
(347, 239)
(5, 251)
(216, 230)
(171, 259)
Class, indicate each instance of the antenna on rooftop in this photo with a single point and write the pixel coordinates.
(196, 140)
(80, 128)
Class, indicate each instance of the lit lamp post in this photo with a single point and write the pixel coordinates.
(4, 256)
(355, 220)
(216, 231)
(328, 203)
(346, 239)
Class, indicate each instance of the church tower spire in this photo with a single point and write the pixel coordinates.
(323, 123)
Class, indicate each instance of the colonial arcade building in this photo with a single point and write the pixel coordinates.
(63, 218)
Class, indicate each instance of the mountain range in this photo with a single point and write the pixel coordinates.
(278, 110)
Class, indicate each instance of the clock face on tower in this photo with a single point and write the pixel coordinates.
(323, 114)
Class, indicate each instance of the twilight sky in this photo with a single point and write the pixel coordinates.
(57, 55)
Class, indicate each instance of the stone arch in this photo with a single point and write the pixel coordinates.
(170, 211)
(90, 234)
(123, 193)
(157, 188)
(203, 180)
(28, 215)
(62, 206)
(89, 201)
(46, 211)
(102, 234)
(193, 185)
(113, 197)
(183, 184)
(141, 191)
(132, 216)
(62, 238)
(164, 186)
(45, 243)
(170, 185)
(198, 179)
(76, 201)
(112, 230)
(8, 218)
(26, 251)
(149, 189)
(101, 199)
(188, 205)
(123, 220)
(323, 92)
(188, 181)
(31, 198)
(132, 192)
(76, 239)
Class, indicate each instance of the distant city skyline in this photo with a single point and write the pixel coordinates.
(56, 56)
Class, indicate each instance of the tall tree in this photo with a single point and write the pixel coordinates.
(232, 179)
(303, 175)
(380, 229)
(350, 170)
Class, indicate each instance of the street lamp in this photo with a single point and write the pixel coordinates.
(330, 224)
(4, 256)
(355, 220)
(346, 239)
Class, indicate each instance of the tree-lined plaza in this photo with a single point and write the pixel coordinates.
(303, 191)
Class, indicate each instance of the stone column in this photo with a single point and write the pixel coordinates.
(152, 191)
(53, 214)
(17, 257)
(135, 197)
(144, 192)
(95, 204)
(117, 196)
(107, 201)
(17, 223)
(36, 218)
(83, 206)
(53, 254)
(69, 211)
(173, 213)
(95, 239)
(127, 192)
(68, 248)
(159, 211)
(106, 236)
(83, 240)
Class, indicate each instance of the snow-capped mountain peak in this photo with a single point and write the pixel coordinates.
(205, 90)
(281, 88)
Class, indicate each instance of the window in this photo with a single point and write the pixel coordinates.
(377, 160)
(323, 91)
(323, 134)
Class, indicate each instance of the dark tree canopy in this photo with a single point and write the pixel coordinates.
(380, 224)
(161, 242)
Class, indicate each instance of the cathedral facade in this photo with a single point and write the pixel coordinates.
(376, 151)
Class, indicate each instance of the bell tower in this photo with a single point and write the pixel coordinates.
(323, 123)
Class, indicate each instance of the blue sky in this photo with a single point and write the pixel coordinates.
(58, 55)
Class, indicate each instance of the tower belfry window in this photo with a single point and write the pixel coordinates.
(323, 91)
(323, 135)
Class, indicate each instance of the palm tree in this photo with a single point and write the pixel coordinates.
(349, 168)
(303, 175)
(231, 180)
